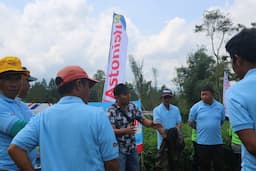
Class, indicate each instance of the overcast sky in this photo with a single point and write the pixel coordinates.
(50, 34)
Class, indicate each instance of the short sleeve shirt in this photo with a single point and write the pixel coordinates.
(11, 111)
(71, 135)
(241, 106)
(168, 118)
(121, 119)
(208, 120)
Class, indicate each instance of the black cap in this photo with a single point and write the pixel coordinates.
(30, 78)
(166, 92)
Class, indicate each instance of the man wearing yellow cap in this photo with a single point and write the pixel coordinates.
(14, 115)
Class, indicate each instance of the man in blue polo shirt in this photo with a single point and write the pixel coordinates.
(14, 115)
(71, 134)
(167, 114)
(241, 97)
(207, 116)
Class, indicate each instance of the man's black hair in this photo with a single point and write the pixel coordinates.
(68, 87)
(120, 89)
(243, 45)
(6, 75)
(208, 88)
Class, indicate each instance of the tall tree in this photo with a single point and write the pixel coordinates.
(217, 26)
(190, 79)
(138, 76)
(37, 93)
(53, 95)
(97, 90)
(143, 88)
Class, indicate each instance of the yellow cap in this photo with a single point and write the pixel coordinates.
(11, 63)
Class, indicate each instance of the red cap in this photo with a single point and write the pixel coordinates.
(70, 73)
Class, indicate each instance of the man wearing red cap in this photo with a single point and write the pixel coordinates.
(14, 115)
(71, 134)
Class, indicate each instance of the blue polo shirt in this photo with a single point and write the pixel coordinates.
(10, 112)
(208, 120)
(168, 118)
(241, 106)
(72, 136)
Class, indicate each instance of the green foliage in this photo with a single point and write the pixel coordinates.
(96, 91)
(217, 26)
(150, 150)
(190, 79)
(41, 92)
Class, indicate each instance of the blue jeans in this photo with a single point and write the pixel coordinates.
(129, 162)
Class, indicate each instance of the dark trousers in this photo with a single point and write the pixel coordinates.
(195, 164)
(210, 156)
(236, 162)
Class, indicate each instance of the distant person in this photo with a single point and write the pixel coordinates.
(26, 79)
(169, 116)
(122, 115)
(72, 135)
(207, 116)
(241, 97)
(14, 115)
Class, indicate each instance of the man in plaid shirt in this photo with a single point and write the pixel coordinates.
(122, 115)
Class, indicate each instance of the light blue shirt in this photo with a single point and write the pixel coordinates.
(241, 106)
(208, 120)
(168, 118)
(10, 112)
(72, 136)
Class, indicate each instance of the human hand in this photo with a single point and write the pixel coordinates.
(156, 125)
(131, 130)
(164, 135)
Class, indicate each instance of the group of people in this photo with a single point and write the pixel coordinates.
(207, 115)
(75, 136)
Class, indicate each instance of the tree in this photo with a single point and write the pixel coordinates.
(143, 88)
(217, 26)
(138, 76)
(53, 95)
(96, 91)
(190, 79)
(41, 92)
(37, 93)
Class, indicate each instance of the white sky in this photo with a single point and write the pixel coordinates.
(50, 34)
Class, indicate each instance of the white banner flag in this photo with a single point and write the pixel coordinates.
(117, 57)
(226, 85)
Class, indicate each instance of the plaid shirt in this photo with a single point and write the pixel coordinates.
(121, 119)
